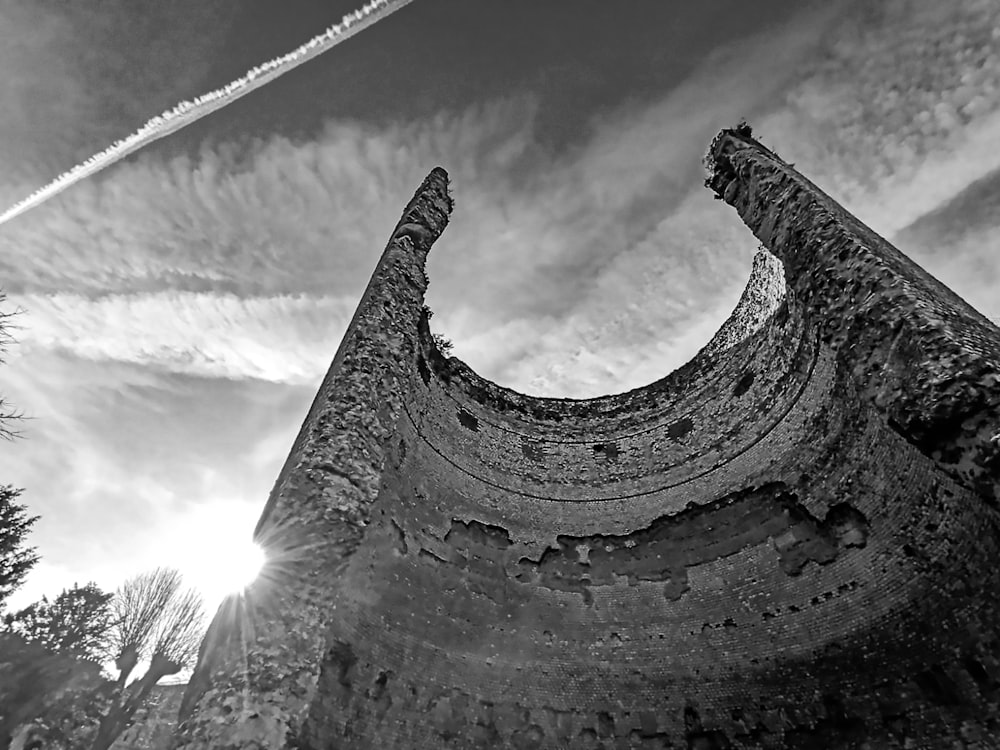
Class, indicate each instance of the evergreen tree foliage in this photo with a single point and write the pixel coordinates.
(16, 558)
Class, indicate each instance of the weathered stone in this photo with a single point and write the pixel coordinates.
(789, 542)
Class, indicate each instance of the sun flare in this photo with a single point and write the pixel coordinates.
(238, 568)
(228, 567)
(219, 557)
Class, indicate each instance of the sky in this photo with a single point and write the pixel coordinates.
(182, 307)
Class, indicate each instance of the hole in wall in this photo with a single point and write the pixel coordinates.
(743, 384)
(977, 671)
(468, 421)
(680, 428)
(607, 451)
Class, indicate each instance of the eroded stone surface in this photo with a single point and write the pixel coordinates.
(259, 665)
(789, 542)
(918, 352)
(663, 550)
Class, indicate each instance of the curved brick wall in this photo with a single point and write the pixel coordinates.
(789, 542)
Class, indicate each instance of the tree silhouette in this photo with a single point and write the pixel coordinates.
(7, 415)
(77, 622)
(16, 559)
(54, 699)
(154, 620)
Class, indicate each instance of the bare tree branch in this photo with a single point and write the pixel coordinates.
(180, 630)
(137, 609)
(7, 414)
(154, 620)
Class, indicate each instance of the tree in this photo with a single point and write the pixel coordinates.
(6, 339)
(76, 623)
(56, 698)
(16, 559)
(444, 345)
(152, 620)
(148, 619)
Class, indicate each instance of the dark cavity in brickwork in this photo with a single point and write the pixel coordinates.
(978, 673)
(743, 384)
(607, 451)
(468, 421)
(664, 550)
(425, 373)
(826, 596)
(680, 428)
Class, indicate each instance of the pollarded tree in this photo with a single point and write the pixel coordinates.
(152, 620)
(16, 558)
(77, 622)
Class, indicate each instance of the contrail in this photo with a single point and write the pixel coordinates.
(187, 112)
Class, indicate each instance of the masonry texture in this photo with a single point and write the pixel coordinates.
(789, 542)
(154, 722)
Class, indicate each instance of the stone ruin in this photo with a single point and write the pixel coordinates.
(789, 542)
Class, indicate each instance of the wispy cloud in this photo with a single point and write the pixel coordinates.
(178, 306)
(186, 112)
(899, 115)
(604, 243)
(214, 335)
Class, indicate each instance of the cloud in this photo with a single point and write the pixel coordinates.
(182, 311)
(957, 243)
(249, 264)
(190, 264)
(898, 116)
(894, 106)
(118, 458)
(611, 242)
(288, 218)
(284, 339)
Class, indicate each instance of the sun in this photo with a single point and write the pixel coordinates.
(236, 568)
(218, 556)
(227, 567)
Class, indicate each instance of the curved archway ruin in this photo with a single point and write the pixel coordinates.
(788, 542)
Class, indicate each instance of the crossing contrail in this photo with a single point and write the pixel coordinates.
(187, 112)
